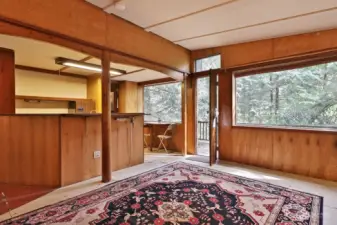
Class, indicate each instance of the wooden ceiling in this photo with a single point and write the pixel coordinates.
(30, 54)
(197, 24)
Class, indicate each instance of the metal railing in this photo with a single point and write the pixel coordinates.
(203, 130)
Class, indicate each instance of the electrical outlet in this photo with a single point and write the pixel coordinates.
(97, 154)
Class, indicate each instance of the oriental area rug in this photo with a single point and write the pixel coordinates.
(182, 193)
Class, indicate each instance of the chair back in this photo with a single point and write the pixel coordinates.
(169, 128)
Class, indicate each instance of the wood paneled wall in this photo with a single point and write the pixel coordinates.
(80, 138)
(59, 150)
(127, 139)
(271, 49)
(7, 81)
(130, 99)
(29, 150)
(311, 154)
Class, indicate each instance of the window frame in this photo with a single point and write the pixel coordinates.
(276, 66)
(209, 56)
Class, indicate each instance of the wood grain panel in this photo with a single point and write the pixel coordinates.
(80, 137)
(30, 156)
(128, 97)
(271, 49)
(137, 150)
(191, 118)
(225, 115)
(7, 81)
(306, 153)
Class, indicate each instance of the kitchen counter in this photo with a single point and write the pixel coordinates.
(62, 149)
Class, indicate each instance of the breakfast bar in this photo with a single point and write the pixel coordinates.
(61, 149)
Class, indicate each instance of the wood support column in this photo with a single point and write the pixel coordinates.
(184, 87)
(212, 117)
(7, 81)
(106, 118)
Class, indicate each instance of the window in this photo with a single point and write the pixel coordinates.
(213, 62)
(163, 102)
(304, 97)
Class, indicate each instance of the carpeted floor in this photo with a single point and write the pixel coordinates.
(182, 193)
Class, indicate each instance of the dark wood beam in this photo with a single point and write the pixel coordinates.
(106, 118)
(52, 72)
(158, 81)
(136, 71)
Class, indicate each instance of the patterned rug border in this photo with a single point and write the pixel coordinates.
(321, 198)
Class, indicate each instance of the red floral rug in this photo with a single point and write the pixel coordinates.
(181, 193)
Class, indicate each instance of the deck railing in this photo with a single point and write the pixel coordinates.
(203, 130)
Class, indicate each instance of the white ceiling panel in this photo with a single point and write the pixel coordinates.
(239, 14)
(144, 75)
(145, 13)
(311, 23)
(29, 52)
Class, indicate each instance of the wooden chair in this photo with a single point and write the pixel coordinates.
(165, 136)
(145, 142)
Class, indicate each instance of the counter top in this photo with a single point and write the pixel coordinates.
(115, 115)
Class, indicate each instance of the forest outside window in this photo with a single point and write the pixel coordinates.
(299, 98)
(212, 62)
(162, 103)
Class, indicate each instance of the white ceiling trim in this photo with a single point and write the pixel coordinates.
(148, 28)
(258, 24)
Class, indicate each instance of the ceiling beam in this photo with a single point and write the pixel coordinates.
(136, 71)
(158, 81)
(96, 29)
(52, 72)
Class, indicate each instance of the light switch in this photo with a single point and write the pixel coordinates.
(97, 154)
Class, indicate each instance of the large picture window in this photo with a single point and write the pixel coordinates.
(163, 103)
(304, 97)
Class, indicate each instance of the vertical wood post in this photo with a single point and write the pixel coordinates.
(184, 113)
(7, 81)
(106, 118)
(212, 117)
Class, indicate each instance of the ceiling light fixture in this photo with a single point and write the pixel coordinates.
(86, 66)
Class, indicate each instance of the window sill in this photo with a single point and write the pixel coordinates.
(283, 128)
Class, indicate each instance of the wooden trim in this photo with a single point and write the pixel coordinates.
(136, 71)
(284, 128)
(206, 73)
(158, 81)
(41, 98)
(256, 25)
(286, 64)
(52, 72)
